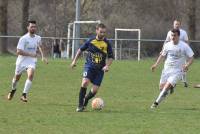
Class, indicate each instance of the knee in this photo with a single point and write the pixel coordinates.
(94, 90)
(30, 77)
(85, 84)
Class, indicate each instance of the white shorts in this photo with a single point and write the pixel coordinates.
(171, 76)
(22, 67)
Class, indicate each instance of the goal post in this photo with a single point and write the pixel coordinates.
(73, 36)
(127, 30)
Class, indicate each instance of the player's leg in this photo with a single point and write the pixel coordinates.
(28, 83)
(96, 84)
(91, 94)
(87, 77)
(15, 80)
(18, 72)
(82, 92)
(170, 83)
(184, 79)
(162, 95)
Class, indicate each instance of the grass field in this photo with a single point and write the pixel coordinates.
(128, 91)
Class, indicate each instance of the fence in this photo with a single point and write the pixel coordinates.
(127, 48)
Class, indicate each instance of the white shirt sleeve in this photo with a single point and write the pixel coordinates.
(189, 52)
(185, 36)
(164, 51)
(39, 43)
(168, 37)
(21, 44)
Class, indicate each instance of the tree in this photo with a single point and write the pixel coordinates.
(192, 18)
(3, 25)
(25, 15)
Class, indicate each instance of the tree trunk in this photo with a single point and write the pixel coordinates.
(192, 18)
(3, 25)
(25, 15)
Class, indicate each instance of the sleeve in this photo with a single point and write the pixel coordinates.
(21, 44)
(164, 51)
(85, 45)
(185, 36)
(189, 52)
(168, 37)
(39, 43)
(110, 51)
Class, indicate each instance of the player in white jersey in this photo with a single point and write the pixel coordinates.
(183, 37)
(175, 51)
(26, 60)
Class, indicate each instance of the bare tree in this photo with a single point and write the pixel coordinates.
(3, 25)
(192, 18)
(25, 15)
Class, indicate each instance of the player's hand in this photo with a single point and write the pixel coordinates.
(105, 68)
(73, 64)
(45, 60)
(34, 55)
(153, 67)
(185, 68)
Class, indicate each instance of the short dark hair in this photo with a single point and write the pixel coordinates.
(31, 21)
(176, 31)
(100, 25)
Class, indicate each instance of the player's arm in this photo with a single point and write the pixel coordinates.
(188, 63)
(160, 58)
(109, 60)
(20, 49)
(23, 53)
(166, 41)
(108, 63)
(78, 53)
(44, 59)
(186, 38)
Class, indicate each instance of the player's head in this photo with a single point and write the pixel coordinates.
(101, 31)
(177, 24)
(175, 33)
(31, 26)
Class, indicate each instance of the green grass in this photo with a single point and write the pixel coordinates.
(128, 91)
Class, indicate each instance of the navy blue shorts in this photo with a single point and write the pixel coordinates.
(94, 75)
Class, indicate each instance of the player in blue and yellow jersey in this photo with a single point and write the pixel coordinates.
(98, 60)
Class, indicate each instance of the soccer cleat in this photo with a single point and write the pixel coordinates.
(171, 91)
(154, 105)
(85, 103)
(11, 94)
(80, 109)
(24, 98)
(185, 84)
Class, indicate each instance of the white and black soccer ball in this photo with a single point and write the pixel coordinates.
(97, 104)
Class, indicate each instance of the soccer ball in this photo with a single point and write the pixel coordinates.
(97, 104)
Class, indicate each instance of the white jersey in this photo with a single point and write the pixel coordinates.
(183, 36)
(28, 44)
(176, 55)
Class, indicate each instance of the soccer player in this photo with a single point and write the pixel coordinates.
(26, 60)
(99, 49)
(184, 37)
(175, 51)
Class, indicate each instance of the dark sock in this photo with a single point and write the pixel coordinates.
(88, 97)
(82, 96)
(24, 94)
(13, 91)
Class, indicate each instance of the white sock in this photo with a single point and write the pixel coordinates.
(162, 96)
(14, 84)
(27, 86)
(184, 77)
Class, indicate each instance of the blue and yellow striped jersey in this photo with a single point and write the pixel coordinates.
(98, 51)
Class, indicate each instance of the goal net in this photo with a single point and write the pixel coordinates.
(71, 29)
(127, 48)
